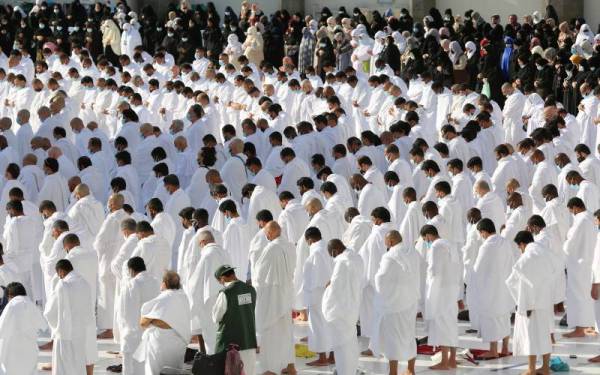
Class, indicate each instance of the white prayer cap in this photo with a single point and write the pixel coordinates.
(537, 17)
(132, 14)
(126, 26)
(355, 33)
(361, 27)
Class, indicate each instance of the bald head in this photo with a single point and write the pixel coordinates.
(54, 152)
(313, 206)
(29, 159)
(272, 230)
(205, 237)
(482, 187)
(236, 146)
(180, 143)
(392, 238)
(146, 129)
(116, 202)
(81, 190)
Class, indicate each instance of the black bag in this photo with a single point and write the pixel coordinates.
(209, 364)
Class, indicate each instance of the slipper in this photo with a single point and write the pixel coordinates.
(303, 352)
(427, 350)
(115, 368)
(557, 365)
(478, 353)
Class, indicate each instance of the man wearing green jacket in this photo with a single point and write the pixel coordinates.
(234, 314)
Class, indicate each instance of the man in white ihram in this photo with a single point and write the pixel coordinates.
(203, 288)
(397, 287)
(166, 324)
(139, 288)
(272, 278)
(341, 301)
(70, 316)
(107, 243)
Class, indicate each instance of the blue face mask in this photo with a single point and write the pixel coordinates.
(574, 187)
(227, 219)
(428, 244)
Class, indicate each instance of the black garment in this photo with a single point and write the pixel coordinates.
(526, 75)
(170, 43)
(543, 81)
(391, 55)
(213, 42)
(274, 48)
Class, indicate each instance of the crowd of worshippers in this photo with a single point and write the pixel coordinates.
(204, 179)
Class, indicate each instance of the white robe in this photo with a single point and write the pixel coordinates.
(20, 239)
(579, 247)
(397, 286)
(274, 288)
(341, 302)
(107, 243)
(291, 173)
(203, 289)
(70, 316)
(530, 286)
(135, 293)
(85, 262)
(316, 273)
(371, 253)
(87, 216)
(156, 253)
(235, 175)
(55, 189)
(165, 347)
(492, 300)
(441, 286)
(293, 219)
(492, 207)
(236, 241)
(20, 323)
(370, 197)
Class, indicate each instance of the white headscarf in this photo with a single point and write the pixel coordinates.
(471, 49)
(455, 51)
(585, 33)
(379, 44)
(399, 40)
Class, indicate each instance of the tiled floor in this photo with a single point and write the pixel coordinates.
(582, 349)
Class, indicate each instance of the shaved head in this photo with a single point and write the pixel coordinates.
(393, 238)
(313, 206)
(272, 230)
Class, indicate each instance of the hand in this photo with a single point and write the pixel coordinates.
(439, 68)
(595, 291)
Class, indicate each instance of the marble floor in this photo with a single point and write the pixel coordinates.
(573, 351)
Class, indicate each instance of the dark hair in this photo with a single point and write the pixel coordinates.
(64, 265)
(264, 215)
(486, 225)
(313, 233)
(136, 264)
(15, 289)
(381, 213)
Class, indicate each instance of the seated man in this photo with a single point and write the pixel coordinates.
(166, 323)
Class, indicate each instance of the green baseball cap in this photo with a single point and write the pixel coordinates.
(223, 270)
